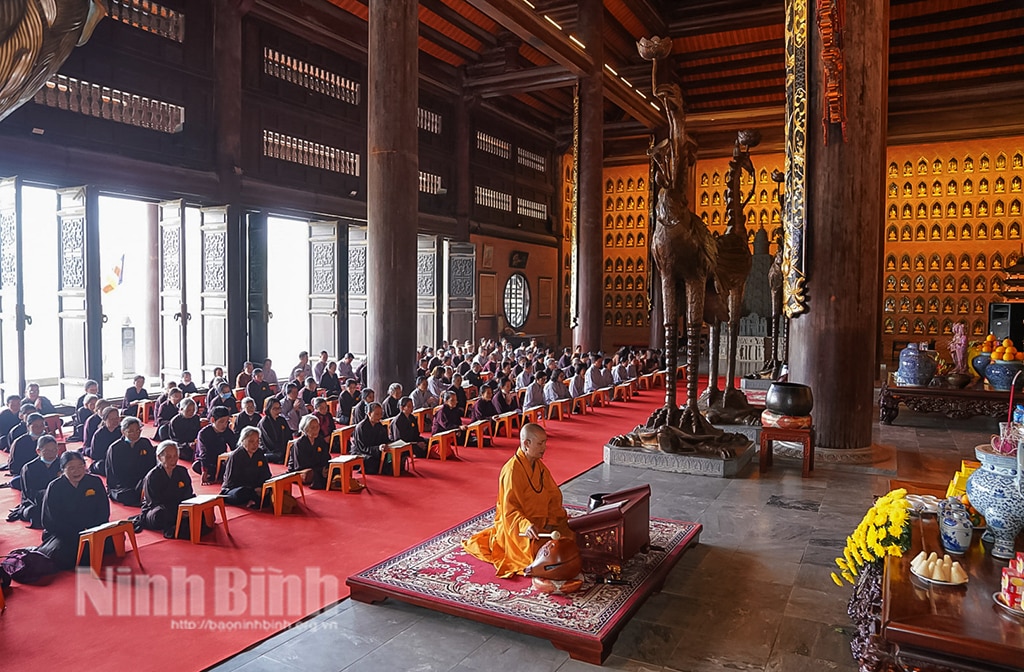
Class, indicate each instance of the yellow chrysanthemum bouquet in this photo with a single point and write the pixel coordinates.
(885, 530)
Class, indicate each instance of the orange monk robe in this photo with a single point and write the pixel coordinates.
(525, 496)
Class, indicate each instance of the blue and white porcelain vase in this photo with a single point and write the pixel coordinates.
(993, 489)
(917, 367)
(955, 526)
(979, 362)
(1000, 374)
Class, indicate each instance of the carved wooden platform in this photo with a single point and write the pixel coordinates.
(956, 404)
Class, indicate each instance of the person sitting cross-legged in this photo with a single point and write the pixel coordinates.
(225, 399)
(168, 411)
(166, 485)
(505, 398)
(72, 503)
(248, 416)
(391, 406)
(187, 385)
(449, 416)
(404, 427)
(23, 450)
(258, 389)
(9, 419)
(214, 440)
(90, 389)
(322, 413)
(184, 429)
(535, 391)
(35, 477)
(274, 432)
(347, 400)
(370, 439)
(360, 410)
(310, 451)
(133, 395)
(128, 461)
(556, 389)
(246, 471)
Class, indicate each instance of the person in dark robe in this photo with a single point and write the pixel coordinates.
(184, 429)
(246, 471)
(361, 409)
(460, 393)
(437, 383)
(105, 435)
(213, 440)
(214, 392)
(329, 381)
(82, 415)
(322, 413)
(505, 399)
(128, 462)
(90, 389)
(162, 398)
(22, 427)
(369, 438)
(483, 408)
(473, 375)
(308, 393)
(274, 432)
(35, 477)
(226, 399)
(41, 404)
(187, 385)
(92, 423)
(72, 503)
(258, 389)
(347, 401)
(248, 416)
(448, 416)
(23, 450)
(165, 486)
(168, 411)
(9, 419)
(133, 395)
(391, 406)
(310, 451)
(404, 427)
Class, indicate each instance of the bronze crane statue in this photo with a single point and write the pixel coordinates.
(731, 271)
(36, 37)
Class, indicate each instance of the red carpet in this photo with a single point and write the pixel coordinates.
(438, 574)
(291, 566)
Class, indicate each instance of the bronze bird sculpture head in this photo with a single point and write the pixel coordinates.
(36, 37)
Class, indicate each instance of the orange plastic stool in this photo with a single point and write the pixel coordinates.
(222, 461)
(559, 407)
(477, 429)
(535, 414)
(444, 442)
(97, 537)
(623, 391)
(344, 467)
(506, 422)
(278, 485)
(198, 508)
(145, 411)
(53, 424)
(396, 454)
(579, 404)
(421, 418)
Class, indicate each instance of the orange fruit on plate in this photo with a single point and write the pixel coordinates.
(1007, 343)
(1007, 358)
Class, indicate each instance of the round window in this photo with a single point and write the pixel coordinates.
(517, 300)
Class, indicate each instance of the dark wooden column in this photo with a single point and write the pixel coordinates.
(832, 346)
(591, 192)
(463, 179)
(392, 192)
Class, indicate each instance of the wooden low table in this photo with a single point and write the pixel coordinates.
(956, 404)
(936, 628)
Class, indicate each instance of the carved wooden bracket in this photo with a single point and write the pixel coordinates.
(830, 14)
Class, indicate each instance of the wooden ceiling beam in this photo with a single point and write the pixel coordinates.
(979, 66)
(897, 41)
(519, 81)
(649, 17)
(731, 18)
(731, 80)
(533, 29)
(1001, 44)
(461, 22)
(448, 44)
(631, 103)
(959, 14)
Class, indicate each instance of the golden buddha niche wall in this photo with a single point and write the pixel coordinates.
(626, 277)
(763, 211)
(952, 224)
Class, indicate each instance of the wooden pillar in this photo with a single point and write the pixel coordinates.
(392, 192)
(463, 179)
(591, 191)
(833, 343)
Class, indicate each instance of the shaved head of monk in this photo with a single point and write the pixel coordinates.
(533, 441)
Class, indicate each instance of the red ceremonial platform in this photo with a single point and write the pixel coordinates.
(438, 574)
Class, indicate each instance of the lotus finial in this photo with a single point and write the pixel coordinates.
(654, 48)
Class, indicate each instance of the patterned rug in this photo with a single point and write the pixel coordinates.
(439, 575)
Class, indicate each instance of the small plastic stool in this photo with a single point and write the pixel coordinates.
(199, 507)
(97, 537)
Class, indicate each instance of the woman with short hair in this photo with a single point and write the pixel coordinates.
(310, 451)
(72, 503)
(184, 428)
(246, 471)
(166, 485)
(274, 431)
(106, 434)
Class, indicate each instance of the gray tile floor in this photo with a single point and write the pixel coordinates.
(754, 595)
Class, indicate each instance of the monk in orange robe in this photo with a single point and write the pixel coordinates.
(529, 504)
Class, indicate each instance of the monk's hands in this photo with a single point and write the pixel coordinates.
(531, 532)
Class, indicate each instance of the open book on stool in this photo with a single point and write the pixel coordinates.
(617, 527)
